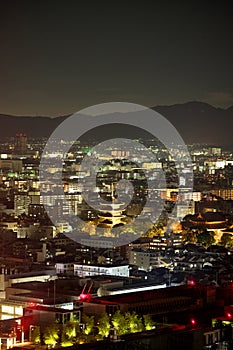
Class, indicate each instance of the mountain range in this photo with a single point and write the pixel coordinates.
(197, 122)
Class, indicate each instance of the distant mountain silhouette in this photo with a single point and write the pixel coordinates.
(31, 125)
(197, 122)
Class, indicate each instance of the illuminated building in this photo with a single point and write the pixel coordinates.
(15, 165)
(164, 242)
(56, 201)
(215, 151)
(11, 309)
(135, 288)
(111, 214)
(152, 299)
(212, 221)
(20, 144)
(83, 270)
(120, 153)
(226, 194)
(140, 258)
(21, 203)
(209, 220)
(44, 315)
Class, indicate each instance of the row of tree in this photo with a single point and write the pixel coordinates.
(90, 330)
(207, 238)
(196, 236)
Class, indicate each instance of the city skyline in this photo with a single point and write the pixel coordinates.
(209, 125)
(116, 175)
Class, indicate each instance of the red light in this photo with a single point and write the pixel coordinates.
(192, 283)
(229, 315)
(193, 322)
(85, 297)
(32, 304)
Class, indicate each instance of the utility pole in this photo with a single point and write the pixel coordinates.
(54, 292)
(169, 278)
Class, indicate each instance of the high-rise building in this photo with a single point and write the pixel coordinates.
(215, 151)
(21, 204)
(20, 144)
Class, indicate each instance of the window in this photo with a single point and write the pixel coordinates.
(58, 318)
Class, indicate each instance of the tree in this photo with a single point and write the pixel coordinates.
(120, 323)
(89, 324)
(134, 322)
(189, 236)
(227, 240)
(206, 238)
(35, 335)
(51, 334)
(104, 325)
(148, 322)
(155, 231)
(68, 334)
(65, 341)
(70, 330)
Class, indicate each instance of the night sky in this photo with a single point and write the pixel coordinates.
(60, 56)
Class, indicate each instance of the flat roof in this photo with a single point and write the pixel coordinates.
(146, 295)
